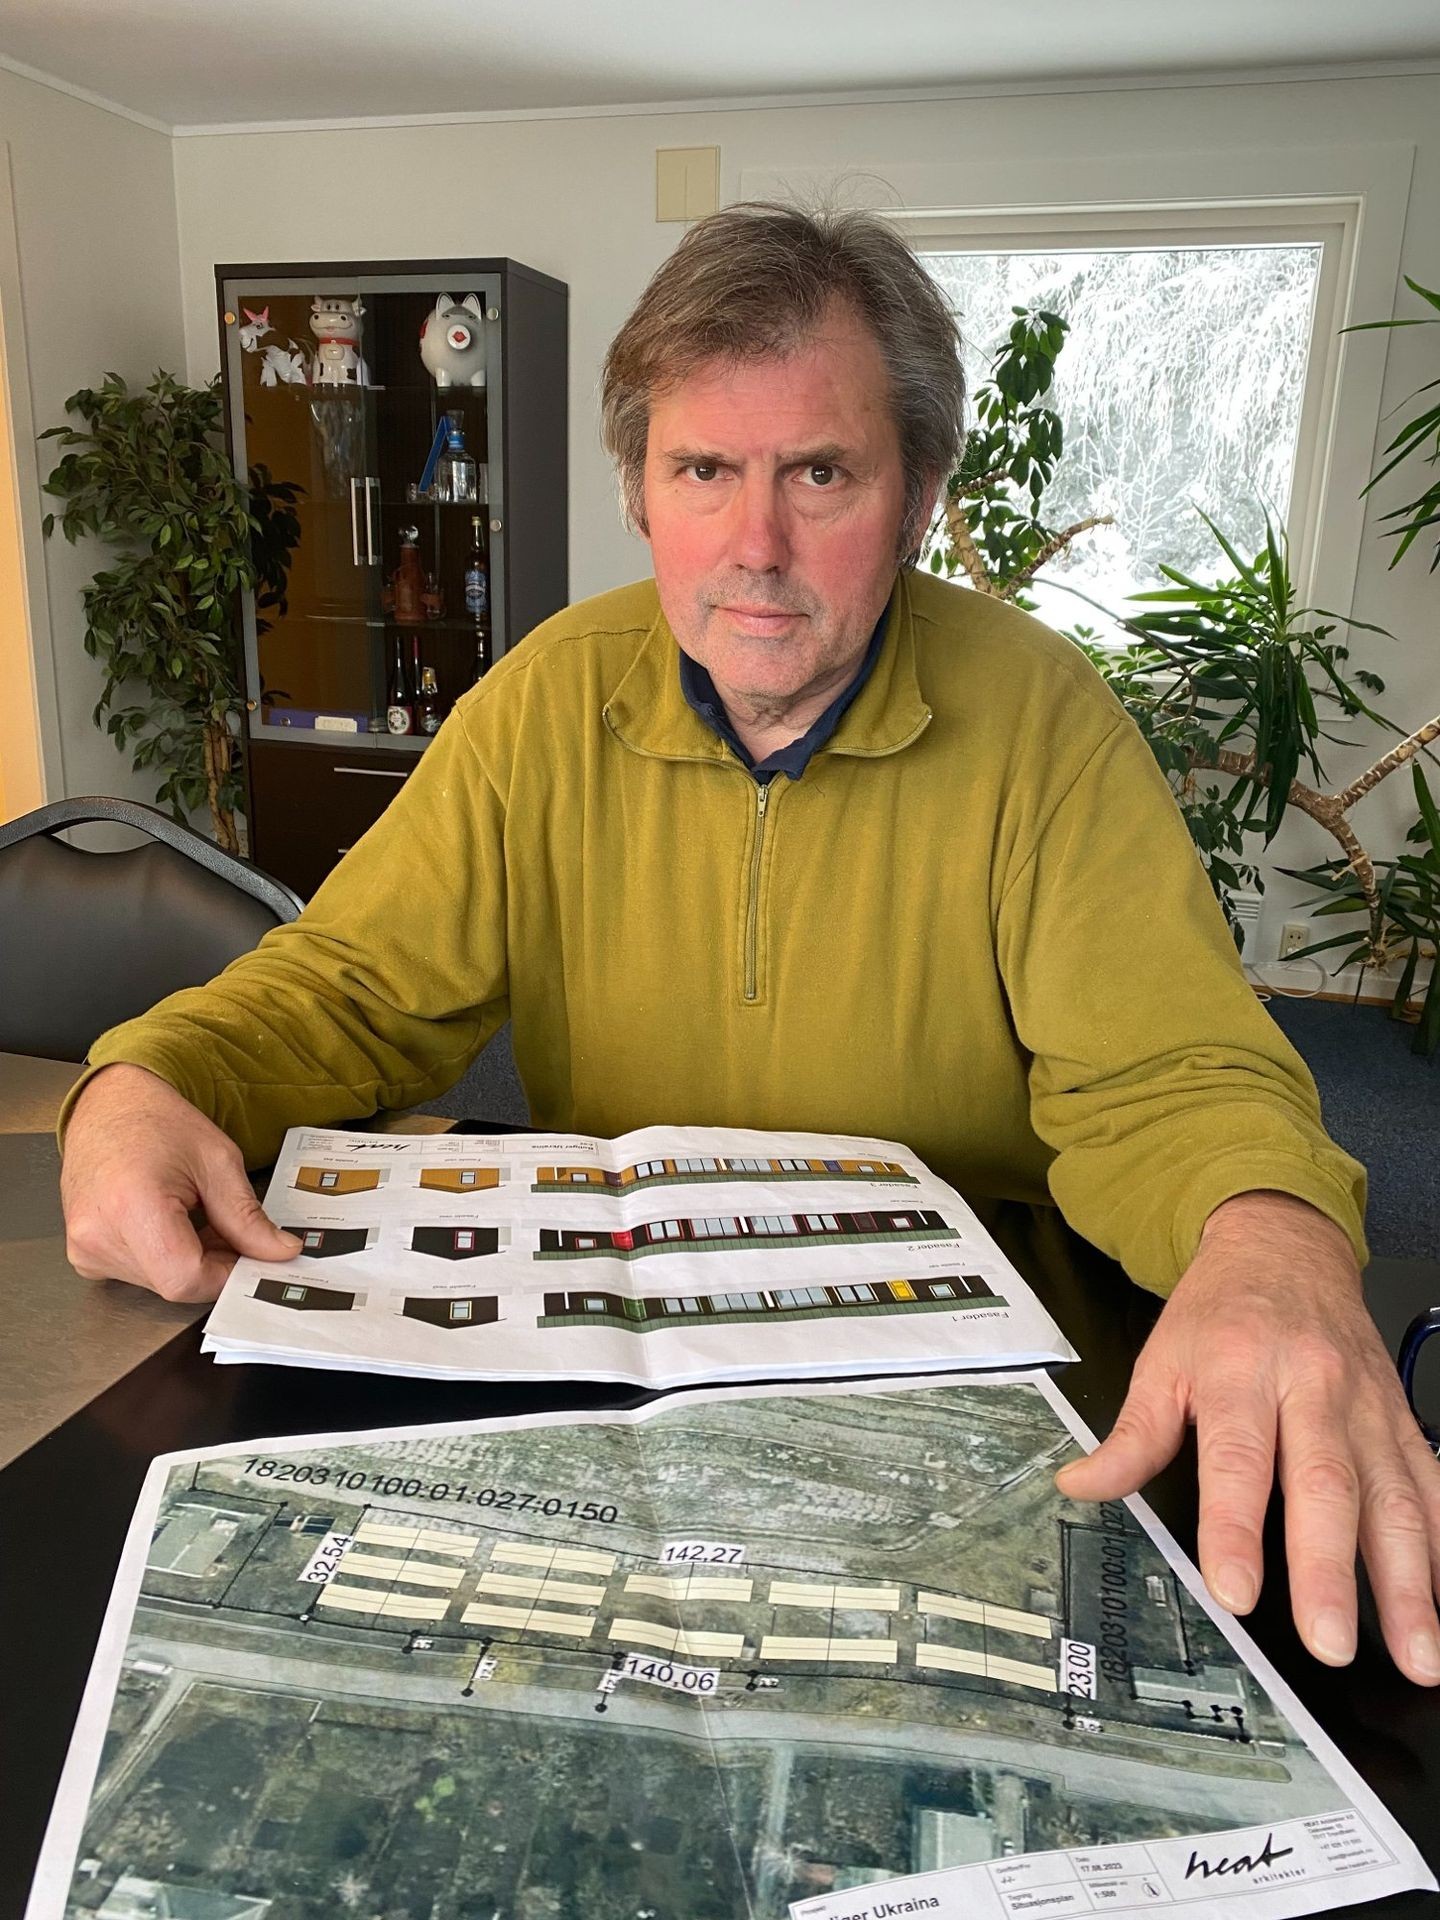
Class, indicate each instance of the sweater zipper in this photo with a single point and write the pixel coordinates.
(752, 906)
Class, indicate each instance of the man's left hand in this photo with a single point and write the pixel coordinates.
(1266, 1345)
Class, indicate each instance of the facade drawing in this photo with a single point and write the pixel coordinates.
(716, 1233)
(588, 1307)
(324, 1243)
(459, 1310)
(340, 1180)
(305, 1297)
(460, 1179)
(692, 1169)
(455, 1243)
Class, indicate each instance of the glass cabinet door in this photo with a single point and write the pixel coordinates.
(329, 393)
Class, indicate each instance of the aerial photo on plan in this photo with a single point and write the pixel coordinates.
(700, 1664)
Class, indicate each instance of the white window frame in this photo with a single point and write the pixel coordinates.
(1329, 224)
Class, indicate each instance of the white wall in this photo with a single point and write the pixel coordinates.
(95, 289)
(575, 197)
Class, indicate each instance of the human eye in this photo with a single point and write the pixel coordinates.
(823, 474)
(703, 470)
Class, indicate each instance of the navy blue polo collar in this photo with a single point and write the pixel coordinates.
(792, 760)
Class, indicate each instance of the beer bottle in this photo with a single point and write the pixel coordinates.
(429, 707)
(477, 575)
(400, 712)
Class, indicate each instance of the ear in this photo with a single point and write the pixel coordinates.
(443, 305)
(472, 301)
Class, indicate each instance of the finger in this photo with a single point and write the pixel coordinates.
(1396, 1545)
(1235, 1435)
(1146, 1436)
(239, 1219)
(1322, 1515)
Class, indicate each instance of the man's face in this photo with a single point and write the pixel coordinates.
(774, 491)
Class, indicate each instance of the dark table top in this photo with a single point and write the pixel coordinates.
(65, 1505)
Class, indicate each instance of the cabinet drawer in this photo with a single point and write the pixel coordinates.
(309, 805)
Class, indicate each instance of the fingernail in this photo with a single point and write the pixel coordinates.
(292, 1240)
(1234, 1587)
(1425, 1655)
(1332, 1636)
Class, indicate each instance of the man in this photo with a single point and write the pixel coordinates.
(865, 852)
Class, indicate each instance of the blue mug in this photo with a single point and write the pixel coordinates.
(1416, 1334)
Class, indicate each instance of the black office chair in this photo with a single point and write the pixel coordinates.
(90, 939)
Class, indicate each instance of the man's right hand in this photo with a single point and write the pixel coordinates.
(139, 1161)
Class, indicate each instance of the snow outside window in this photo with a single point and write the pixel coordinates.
(1187, 379)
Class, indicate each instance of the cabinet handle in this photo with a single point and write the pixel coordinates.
(370, 553)
(374, 773)
(354, 525)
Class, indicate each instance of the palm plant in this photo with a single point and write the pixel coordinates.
(1416, 435)
(1407, 908)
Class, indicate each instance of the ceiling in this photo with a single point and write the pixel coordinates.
(197, 64)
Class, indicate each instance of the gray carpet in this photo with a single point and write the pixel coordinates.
(1380, 1101)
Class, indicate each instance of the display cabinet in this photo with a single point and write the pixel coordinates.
(341, 380)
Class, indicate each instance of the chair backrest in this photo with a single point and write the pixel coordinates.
(90, 939)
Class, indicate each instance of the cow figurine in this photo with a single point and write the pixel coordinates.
(335, 323)
(452, 342)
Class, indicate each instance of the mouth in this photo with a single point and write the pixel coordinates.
(760, 619)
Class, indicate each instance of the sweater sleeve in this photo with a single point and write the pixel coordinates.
(1158, 1079)
(379, 995)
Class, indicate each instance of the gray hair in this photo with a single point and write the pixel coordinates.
(749, 283)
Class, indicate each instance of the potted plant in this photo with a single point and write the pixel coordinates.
(147, 473)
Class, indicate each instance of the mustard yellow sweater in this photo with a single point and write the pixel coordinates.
(975, 925)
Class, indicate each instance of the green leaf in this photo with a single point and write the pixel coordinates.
(1428, 810)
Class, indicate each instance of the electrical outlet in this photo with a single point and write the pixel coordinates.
(1294, 935)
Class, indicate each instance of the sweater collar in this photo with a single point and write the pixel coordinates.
(648, 711)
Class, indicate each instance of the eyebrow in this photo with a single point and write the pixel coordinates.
(826, 454)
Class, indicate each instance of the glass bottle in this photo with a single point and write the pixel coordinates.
(408, 581)
(482, 649)
(429, 708)
(455, 472)
(399, 713)
(477, 574)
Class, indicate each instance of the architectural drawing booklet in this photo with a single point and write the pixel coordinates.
(666, 1257)
(834, 1652)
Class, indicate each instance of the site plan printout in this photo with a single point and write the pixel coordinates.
(834, 1652)
(669, 1257)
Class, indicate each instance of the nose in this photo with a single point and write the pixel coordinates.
(759, 536)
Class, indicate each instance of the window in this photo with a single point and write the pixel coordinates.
(1197, 372)
(579, 1176)
(665, 1230)
(468, 1176)
(464, 1240)
(314, 1240)
(462, 1310)
(294, 1293)
(942, 1290)
(712, 1228)
(594, 1304)
(585, 1242)
(329, 1180)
